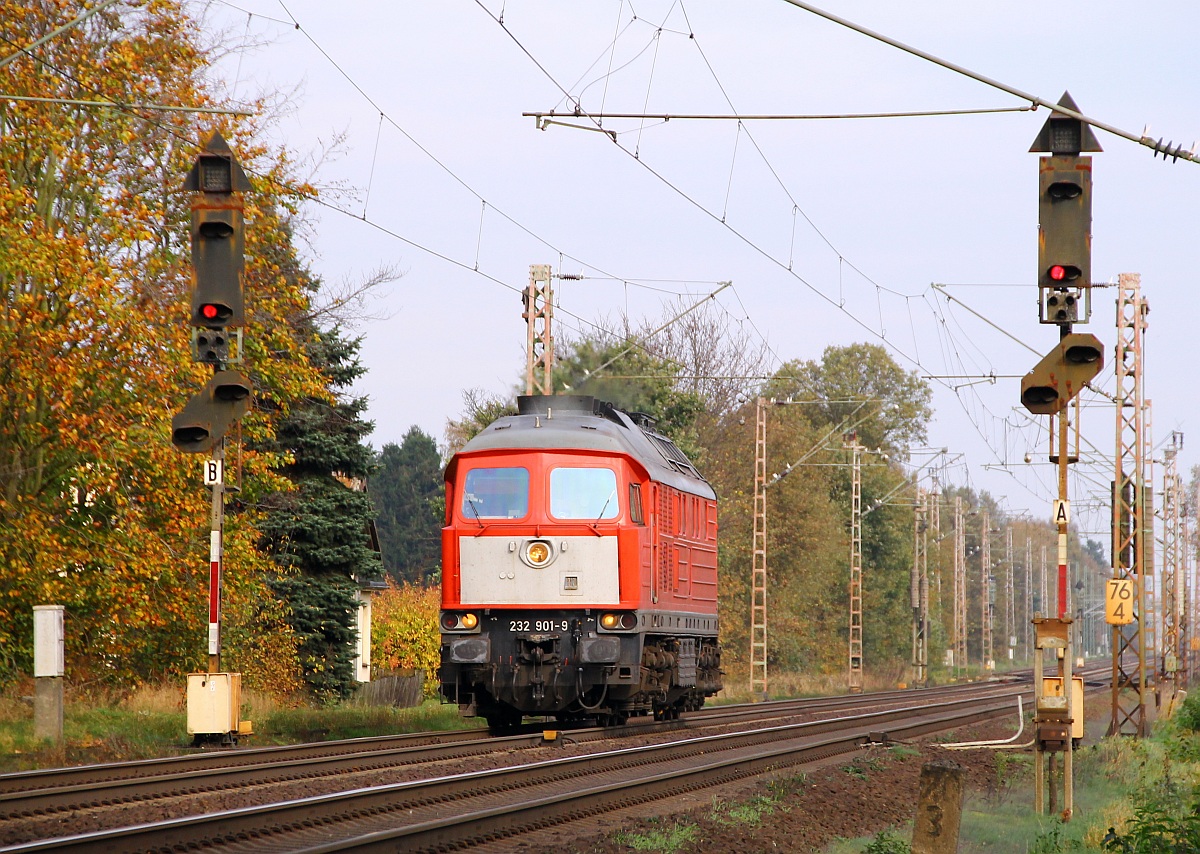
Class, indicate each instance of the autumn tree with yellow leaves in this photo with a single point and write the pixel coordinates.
(98, 512)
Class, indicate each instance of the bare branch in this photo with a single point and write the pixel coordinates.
(346, 303)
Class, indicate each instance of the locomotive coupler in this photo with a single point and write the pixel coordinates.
(536, 683)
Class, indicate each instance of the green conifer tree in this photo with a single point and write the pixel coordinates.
(408, 495)
(319, 532)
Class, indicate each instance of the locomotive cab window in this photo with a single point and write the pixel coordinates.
(496, 493)
(584, 493)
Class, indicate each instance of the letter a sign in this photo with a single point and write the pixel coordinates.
(1062, 511)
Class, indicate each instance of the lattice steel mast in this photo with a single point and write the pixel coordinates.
(1130, 680)
(1010, 605)
(539, 315)
(960, 588)
(758, 594)
(855, 676)
(1028, 596)
(919, 589)
(1171, 574)
(986, 596)
(1043, 593)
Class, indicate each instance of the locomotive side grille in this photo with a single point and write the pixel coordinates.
(666, 548)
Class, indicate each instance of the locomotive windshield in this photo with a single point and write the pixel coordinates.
(499, 493)
(583, 493)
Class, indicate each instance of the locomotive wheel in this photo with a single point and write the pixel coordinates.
(666, 713)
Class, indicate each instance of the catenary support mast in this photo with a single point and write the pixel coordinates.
(758, 601)
(855, 674)
(539, 317)
(1130, 680)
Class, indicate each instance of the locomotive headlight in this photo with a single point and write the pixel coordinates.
(538, 553)
(618, 622)
(452, 622)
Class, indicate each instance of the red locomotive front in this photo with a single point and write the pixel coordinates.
(579, 569)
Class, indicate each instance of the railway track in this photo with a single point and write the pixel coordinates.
(56, 790)
(421, 814)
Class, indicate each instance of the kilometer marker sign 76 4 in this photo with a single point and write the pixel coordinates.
(1118, 602)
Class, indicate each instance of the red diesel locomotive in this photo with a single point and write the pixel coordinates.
(579, 569)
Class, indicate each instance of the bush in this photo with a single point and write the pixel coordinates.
(404, 631)
(1188, 716)
(888, 842)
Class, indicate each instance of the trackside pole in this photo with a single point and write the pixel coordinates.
(1062, 517)
(216, 474)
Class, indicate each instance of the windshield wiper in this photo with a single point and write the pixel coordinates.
(475, 512)
(607, 501)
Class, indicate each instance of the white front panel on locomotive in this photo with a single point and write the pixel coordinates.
(582, 569)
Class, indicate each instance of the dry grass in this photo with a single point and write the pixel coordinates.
(171, 698)
(1113, 814)
(785, 685)
(162, 698)
(259, 705)
(14, 710)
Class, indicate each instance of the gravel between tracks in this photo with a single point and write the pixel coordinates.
(842, 799)
(846, 797)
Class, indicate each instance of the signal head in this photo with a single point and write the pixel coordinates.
(1062, 373)
(1064, 227)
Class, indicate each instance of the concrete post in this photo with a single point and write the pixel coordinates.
(48, 672)
(48, 709)
(939, 808)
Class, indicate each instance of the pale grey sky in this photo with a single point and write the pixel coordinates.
(450, 183)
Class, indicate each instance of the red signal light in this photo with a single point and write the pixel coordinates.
(1062, 273)
(212, 314)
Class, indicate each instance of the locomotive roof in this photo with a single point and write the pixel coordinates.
(579, 422)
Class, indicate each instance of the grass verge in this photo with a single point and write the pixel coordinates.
(1131, 796)
(152, 722)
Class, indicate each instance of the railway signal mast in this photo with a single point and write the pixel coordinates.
(217, 317)
(1064, 291)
